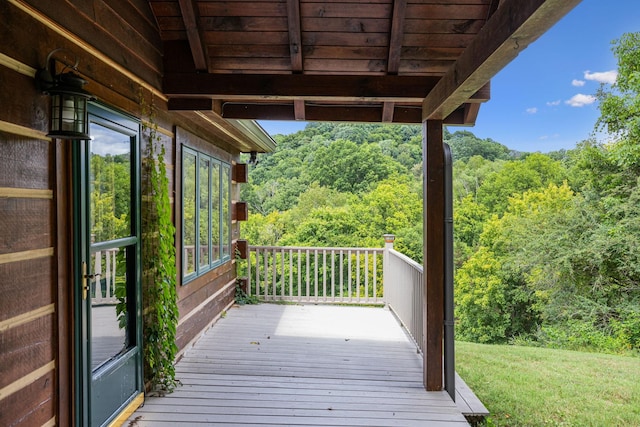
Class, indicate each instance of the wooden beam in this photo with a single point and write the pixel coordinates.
(295, 38)
(471, 111)
(513, 26)
(387, 112)
(190, 15)
(190, 104)
(396, 36)
(274, 87)
(334, 113)
(482, 95)
(433, 256)
(299, 109)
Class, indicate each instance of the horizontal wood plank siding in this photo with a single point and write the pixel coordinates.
(25, 163)
(26, 286)
(26, 348)
(26, 223)
(202, 318)
(32, 405)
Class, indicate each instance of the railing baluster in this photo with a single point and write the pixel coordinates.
(266, 275)
(282, 275)
(308, 294)
(324, 275)
(358, 275)
(341, 275)
(291, 273)
(249, 273)
(333, 275)
(349, 278)
(274, 263)
(257, 272)
(299, 275)
(375, 277)
(366, 275)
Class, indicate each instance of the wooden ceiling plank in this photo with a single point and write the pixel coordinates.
(447, 11)
(189, 10)
(295, 35)
(344, 10)
(289, 86)
(396, 36)
(514, 25)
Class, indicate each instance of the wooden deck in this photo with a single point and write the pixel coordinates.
(303, 365)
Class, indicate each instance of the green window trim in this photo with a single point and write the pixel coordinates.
(206, 218)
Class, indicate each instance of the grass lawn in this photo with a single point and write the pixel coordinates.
(527, 386)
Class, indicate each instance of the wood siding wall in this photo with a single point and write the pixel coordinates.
(119, 51)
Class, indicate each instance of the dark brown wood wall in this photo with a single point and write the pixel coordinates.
(120, 56)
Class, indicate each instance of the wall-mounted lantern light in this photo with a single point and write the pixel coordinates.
(69, 114)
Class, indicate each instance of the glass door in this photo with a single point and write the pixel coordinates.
(110, 344)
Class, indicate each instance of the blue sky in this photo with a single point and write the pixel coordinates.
(543, 100)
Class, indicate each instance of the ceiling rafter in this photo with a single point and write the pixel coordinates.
(295, 35)
(395, 50)
(513, 26)
(396, 35)
(190, 16)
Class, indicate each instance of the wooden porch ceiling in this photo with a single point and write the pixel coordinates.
(394, 61)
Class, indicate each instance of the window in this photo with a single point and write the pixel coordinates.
(206, 220)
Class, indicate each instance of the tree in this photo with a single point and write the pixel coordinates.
(620, 105)
(347, 167)
(536, 171)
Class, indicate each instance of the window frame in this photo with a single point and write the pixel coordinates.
(215, 251)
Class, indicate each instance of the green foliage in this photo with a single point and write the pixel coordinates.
(465, 145)
(536, 171)
(546, 246)
(620, 105)
(347, 167)
(241, 297)
(160, 318)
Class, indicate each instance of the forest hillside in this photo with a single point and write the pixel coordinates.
(547, 246)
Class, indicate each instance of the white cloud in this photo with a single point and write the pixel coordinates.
(602, 77)
(544, 137)
(554, 103)
(578, 83)
(580, 100)
(532, 110)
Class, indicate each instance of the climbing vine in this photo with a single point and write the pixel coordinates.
(160, 315)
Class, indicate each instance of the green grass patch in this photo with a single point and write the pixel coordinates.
(528, 386)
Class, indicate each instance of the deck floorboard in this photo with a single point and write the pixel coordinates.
(301, 365)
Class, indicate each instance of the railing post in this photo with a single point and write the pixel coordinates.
(388, 245)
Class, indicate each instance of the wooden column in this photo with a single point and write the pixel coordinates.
(433, 253)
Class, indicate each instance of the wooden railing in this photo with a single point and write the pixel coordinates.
(306, 274)
(404, 293)
(105, 271)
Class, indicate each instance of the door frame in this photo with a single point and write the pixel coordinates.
(80, 154)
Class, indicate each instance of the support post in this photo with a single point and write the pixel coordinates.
(433, 254)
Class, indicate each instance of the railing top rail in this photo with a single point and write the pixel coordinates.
(310, 248)
(406, 259)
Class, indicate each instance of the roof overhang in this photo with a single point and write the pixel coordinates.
(389, 61)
